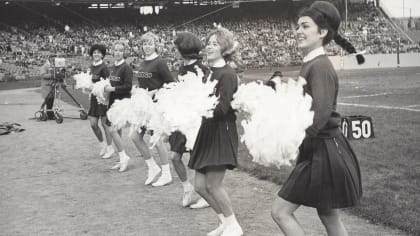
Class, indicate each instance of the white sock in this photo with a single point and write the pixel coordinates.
(109, 146)
(103, 144)
(166, 169)
(221, 218)
(122, 154)
(151, 163)
(231, 220)
(187, 186)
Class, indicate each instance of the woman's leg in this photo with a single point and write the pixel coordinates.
(282, 213)
(330, 218)
(166, 176)
(95, 127)
(153, 169)
(116, 137)
(214, 180)
(200, 186)
(98, 133)
(182, 174)
(109, 151)
(108, 135)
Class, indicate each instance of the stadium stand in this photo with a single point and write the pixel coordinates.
(264, 31)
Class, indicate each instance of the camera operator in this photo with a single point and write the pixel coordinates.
(47, 85)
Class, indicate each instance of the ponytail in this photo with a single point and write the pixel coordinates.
(346, 45)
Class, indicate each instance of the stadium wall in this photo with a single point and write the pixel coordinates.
(376, 61)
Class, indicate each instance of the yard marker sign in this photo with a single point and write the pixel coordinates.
(357, 127)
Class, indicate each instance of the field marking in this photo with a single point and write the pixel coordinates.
(415, 105)
(368, 95)
(381, 107)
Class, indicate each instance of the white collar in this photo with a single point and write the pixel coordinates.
(190, 62)
(219, 63)
(151, 57)
(97, 63)
(117, 63)
(314, 53)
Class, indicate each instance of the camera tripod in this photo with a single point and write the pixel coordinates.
(57, 86)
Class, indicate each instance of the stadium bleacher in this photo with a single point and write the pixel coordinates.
(264, 31)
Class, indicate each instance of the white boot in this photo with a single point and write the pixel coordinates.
(219, 230)
(201, 203)
(152, 172)
(124, 158)
(103, 148)
(232, 227)
(109, 151)
(165, 178)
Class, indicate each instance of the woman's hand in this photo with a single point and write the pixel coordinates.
(109, 88)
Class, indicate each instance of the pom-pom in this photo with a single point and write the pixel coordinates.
(98, 89)
(181, 106)
(83, 81)
(276, 120)
(135, 111)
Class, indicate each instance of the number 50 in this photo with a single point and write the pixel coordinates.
(361, 128)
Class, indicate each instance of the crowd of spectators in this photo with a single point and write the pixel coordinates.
(266, 36)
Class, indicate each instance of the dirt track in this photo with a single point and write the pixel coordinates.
(53, 183)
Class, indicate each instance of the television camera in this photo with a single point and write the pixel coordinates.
(52, 102)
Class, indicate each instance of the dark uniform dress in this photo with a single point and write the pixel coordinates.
(153, 74)
(98, 72)
(121, 79)
(177, 140)
(217, 139)
(327, 173)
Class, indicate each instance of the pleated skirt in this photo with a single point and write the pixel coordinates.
(216, 145)
(326, 175)
(96, 109)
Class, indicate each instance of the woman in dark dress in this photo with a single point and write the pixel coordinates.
(189, 46)
(153, 73)
(97, 111)
(121, 78)
(327, 173)
(216, 147)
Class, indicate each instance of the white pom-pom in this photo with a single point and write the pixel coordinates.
(142, 107)
(135, 111)
(119, 112)
(83, 81)
(98, 89)
(181, 106)
(276, 120)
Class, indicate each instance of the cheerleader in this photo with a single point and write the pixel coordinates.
(216, 146)
(327, 173)
(96, 110)
(121, 81)
(153, 73)
(189, 46)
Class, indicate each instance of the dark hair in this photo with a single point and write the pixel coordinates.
(271, 82)
(101, 48)
(188, 45)
(326, 16)
(276, 73)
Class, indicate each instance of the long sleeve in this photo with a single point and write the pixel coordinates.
(323, 87)
(126, 85)
(226, 88)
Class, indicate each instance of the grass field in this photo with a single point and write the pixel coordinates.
(390, 162)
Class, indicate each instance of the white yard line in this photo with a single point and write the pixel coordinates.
(367, 95)
(380, 107)
(415, 105)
